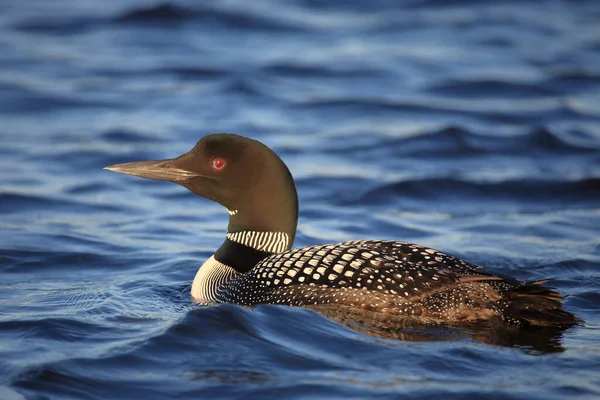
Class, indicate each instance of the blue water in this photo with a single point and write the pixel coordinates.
(470, 127)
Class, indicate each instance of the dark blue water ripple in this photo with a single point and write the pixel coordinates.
(290, 342)
(459, 141)
(526, 193)
(219, 17)
(472, 127)
(500, 89)
(159, 13)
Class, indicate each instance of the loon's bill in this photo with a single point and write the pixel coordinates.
(393, 279)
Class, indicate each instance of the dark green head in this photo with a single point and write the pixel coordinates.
(242, 174)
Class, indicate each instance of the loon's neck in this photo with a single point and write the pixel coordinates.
(238, 254)
(262, 222)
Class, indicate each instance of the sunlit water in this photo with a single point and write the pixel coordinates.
(473, 128)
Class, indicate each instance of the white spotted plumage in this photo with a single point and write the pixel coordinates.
(381, 275)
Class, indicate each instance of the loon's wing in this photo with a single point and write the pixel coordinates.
(416, 254)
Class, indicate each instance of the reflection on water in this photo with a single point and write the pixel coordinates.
(531, 340)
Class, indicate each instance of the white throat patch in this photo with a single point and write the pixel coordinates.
(211, 275)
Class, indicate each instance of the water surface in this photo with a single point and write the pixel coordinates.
(470, 127)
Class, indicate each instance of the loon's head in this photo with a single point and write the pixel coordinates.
(242, 174)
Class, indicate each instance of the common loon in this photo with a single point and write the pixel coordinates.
(256, 265)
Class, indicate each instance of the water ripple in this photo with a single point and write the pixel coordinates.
(469, 127)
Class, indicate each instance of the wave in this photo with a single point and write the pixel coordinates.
(117, 135)
(484, 88)
(231, 18)
(58, 26)
(25, 99)
(258, 349)
(58, 329)
(32, 262)
(161, 13)
(15, 203)
(165, 12)
(324, 70)
(572, 79)
(522, 193)
(455, 140)
(438, 107)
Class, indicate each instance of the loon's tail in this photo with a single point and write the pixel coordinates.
(531, 304)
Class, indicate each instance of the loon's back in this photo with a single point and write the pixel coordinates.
(404, 280)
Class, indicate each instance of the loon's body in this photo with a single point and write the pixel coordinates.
(255, 263)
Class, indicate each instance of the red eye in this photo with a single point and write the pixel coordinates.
(217, 163)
